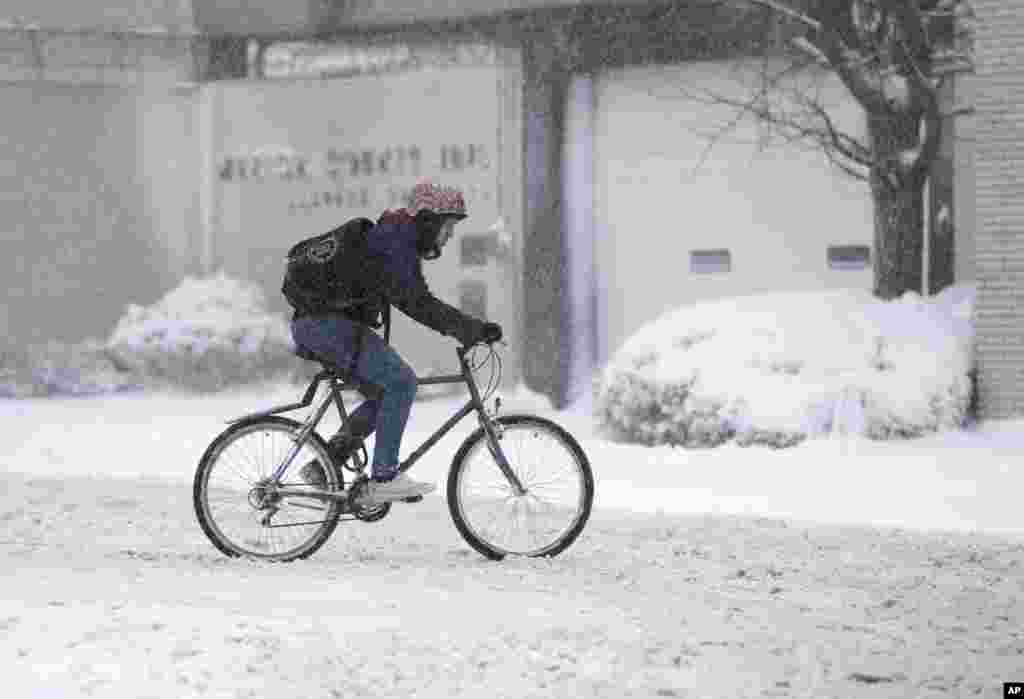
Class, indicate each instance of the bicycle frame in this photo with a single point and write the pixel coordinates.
(338, 384)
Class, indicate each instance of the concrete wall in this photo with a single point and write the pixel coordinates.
(999, 196)
(97, 187)
(150, 16)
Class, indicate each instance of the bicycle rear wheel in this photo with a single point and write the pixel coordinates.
(244, 513)
(552, 468)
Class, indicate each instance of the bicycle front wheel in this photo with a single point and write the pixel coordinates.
(556, 476)
(244, 512)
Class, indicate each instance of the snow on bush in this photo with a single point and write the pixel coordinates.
(205, 335)
(776, 369)
(57, 368)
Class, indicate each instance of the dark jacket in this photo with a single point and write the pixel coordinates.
(393, 274)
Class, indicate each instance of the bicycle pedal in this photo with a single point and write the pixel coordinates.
(414, 498)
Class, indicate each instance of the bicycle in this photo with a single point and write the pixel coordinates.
(504, 449)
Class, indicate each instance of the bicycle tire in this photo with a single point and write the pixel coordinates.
(209, 460)
(457, 506)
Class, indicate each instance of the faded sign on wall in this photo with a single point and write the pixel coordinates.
(294, 158)
(359, 177)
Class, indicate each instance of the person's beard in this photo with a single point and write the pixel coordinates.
(428, 227)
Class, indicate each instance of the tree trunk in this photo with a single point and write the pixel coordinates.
(899, 207)
(899, 216)
(941, 242)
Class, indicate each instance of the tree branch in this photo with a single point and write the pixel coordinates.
(852, 70)
(808, 47)
(911, 23)
(843, 150)
(789, 12)
(849, 146)
(832, 35)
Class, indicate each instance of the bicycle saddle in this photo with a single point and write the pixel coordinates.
(367, 389)
(328, 364)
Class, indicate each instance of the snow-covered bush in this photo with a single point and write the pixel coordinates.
(57, 368)
(205, 335)
(779, 368)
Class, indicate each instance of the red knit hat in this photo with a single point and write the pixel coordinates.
(446, 201)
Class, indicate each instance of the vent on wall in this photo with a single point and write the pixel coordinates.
(849, 256)
(710, 261)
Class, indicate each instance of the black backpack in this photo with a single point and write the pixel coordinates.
(322, 272)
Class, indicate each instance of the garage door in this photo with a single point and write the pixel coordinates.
(677, 222)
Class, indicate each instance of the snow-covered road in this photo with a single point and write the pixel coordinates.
(111, 590)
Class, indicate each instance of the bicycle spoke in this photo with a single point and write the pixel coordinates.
(555, 500)
(241, 476)
(245, 455)
(252, 516)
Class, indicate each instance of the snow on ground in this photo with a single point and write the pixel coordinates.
(111, 590)
(841, 567)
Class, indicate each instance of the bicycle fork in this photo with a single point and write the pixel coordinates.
(493, 440)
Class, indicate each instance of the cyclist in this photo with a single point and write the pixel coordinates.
(392, 275)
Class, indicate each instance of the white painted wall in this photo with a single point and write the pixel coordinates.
(777, 210)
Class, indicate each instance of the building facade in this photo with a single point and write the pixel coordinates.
(145, 142)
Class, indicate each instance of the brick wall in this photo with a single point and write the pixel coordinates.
(999, 168)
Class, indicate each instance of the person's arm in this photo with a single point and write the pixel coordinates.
(398, 274)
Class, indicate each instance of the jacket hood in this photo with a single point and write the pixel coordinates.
(427, 229)
(396, 217)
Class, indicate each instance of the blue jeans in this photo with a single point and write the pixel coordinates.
(336, 338)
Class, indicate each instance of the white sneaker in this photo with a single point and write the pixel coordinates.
(398, 488)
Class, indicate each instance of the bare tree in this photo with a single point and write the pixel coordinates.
(888, 56)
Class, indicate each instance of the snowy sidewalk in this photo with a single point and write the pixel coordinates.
(957, 481)
(111, 590)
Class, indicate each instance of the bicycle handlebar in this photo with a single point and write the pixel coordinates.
(462, 349)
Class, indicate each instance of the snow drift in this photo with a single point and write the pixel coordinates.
(779, 368)
(58, 368)
(204, 335)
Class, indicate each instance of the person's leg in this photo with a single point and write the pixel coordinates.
(382, 367)
(379, 364)
(335, 338)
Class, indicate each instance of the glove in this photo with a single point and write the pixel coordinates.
(474, 332)
(491, 332)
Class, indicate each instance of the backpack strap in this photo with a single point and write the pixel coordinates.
(359, 350)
